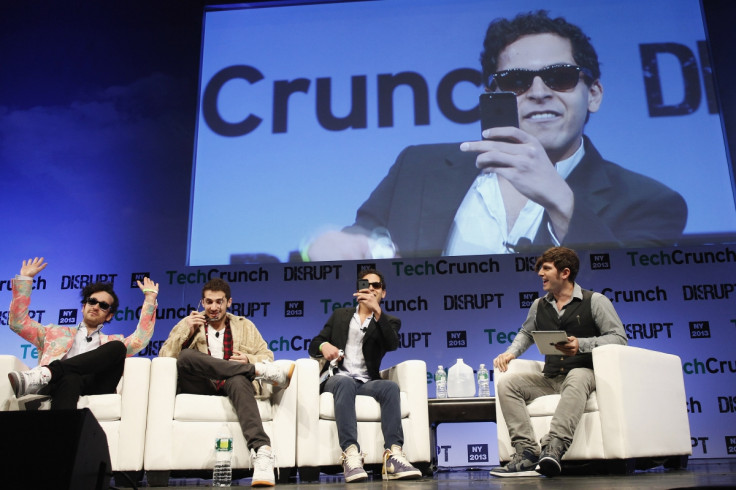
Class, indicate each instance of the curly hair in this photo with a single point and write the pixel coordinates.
(502, 32)
(217, 284)
(96, 287)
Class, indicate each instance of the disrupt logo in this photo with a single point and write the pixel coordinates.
(699, 330)
(526, 298)
(525, 264)
(249, 309)
(82, 280)
(152, 349)
(731, 444)
(647, 330)
(727, 404)
(457, 339)
(137, 276)
(699, 442)
(311, 272)
(68, 317)
(293, 309)
(477, 453)
(697, 292)
(36, 315)
(480, 301)
(600, 262)
(409, 340)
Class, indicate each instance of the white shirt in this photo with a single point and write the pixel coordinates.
(81, 344)
(480, 226)
(354, 363)
(216, 343)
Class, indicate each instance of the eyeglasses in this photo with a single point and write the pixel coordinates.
(560, 78)
(375, 285)
(94, 302)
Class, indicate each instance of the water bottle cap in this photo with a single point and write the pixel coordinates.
(482, 366)
(440, 367)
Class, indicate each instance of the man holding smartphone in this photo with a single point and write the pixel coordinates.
(358, 338)
(522, 188)
(589, 320)
(221, 354)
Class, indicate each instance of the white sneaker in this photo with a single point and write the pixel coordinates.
(277, 373)
(29, 382)
(263, 463)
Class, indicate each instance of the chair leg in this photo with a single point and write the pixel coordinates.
(308, 473)
(284, 474)
(128, 479)
(676, 462)
(157, 478)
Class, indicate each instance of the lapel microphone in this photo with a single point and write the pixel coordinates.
(89, 339)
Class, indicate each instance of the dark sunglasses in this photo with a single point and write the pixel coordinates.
(375, 285)
(92, 302)
(560, 78)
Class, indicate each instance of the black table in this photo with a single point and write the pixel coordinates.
(457, 410)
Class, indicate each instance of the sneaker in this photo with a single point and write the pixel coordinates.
(549, 459)
(520, 465)
(396, 466)
(263, 463)
(352, 465)
(29, 382)
(277, 373)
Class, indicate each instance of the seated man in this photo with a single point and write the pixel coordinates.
(81, 360)
(222, 354)
(356, 339)
(589, 320)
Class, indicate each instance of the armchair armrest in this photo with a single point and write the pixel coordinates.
(133, 411)
(161, 400)
(7, 364)
(307, 416)
(641, 399)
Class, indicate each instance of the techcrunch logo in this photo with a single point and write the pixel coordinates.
(709, 366)
(38, 283)
(443, 267)
(635, 295)
(680, 257)
(200, 277)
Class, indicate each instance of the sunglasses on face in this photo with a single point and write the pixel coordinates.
(559, 78)
(93, 302)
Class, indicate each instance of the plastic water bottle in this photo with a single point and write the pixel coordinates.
(222, 475)
(484, 387)
(460, 381)
(440, 381)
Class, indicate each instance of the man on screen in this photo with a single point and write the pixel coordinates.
(589, 320)
(518, 189)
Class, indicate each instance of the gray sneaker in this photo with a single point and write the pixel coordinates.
(277, 373)
(396, 466)
(520, 465)
(263, 463)
(28, 382)
(352, 465)
(549, 459)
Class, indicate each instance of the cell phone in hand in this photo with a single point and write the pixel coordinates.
(498, 109)
(363, 284)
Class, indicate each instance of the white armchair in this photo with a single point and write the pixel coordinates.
(182, 428)
(636, 418)
(317, 447)
(122, 415)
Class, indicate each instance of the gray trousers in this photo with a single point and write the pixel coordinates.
(515, 391)
(197, 370)
(344, 390)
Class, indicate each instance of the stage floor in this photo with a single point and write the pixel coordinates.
(700, 473)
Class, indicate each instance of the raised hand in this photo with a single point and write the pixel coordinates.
(31, 267)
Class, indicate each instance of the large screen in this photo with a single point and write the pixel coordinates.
(324, 129)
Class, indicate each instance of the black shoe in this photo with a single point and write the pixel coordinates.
(520, 465)
(549, 459)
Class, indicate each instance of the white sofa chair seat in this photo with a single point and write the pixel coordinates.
(182, 428)
(636, 418)
(121, 415)
(317, 446)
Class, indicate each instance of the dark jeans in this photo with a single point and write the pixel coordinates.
(96, 372)
(344, 389)
(197, 370)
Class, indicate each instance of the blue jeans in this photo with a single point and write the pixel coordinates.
(344, 389)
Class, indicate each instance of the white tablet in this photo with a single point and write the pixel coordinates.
(546, 340)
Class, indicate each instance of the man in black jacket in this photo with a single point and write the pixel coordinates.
(354, 341)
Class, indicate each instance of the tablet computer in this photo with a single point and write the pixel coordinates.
(546, 340)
